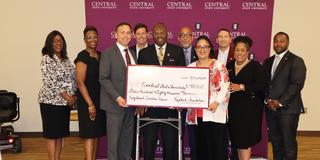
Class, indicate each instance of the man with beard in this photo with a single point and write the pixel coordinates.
(286, 76)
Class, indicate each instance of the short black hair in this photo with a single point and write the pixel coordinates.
(243, 39)
(48, 47)
(281, 33)
(138, 26)
(224, 29)
(204, 37)
(123, 24)
(90, 28)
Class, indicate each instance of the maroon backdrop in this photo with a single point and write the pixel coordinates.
(241, 17)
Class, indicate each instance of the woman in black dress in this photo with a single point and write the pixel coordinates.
(92, 120)
(248, 81)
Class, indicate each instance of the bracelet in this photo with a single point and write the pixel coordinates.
(241, 87)
(92, 107)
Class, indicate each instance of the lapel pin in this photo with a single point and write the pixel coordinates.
(168, 54)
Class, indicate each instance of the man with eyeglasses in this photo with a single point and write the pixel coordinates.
(185, 39)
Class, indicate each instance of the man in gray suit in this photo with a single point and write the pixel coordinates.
(286, 75)
(112, 77)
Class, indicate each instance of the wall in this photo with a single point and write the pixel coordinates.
(25, 25)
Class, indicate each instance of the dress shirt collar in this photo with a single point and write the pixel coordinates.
(121, 47)
(164, 47)
(224, 52)
(282, 54)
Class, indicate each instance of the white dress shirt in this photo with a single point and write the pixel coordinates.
(223, 56)
(123, 53)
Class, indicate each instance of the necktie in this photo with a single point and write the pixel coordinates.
(160, 55)
(275, 65)
(127, 57)
(186, 56)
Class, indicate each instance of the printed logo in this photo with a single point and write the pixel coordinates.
(179, 5)
(236, 34)
(216, 5)
(141, 5)
(103, 5)
(235, 26)
(197, 26)
(254, 6)
(169, 36)
(196, 34)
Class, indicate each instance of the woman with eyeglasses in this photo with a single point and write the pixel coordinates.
(210, 123)
(248, 81)
(92, 120)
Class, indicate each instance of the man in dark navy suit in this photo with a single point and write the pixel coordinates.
(286, 76)
(185, 39)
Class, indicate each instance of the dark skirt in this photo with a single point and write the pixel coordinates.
(55, 121)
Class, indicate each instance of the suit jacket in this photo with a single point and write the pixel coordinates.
(134, 48)
(230, 55)
(287, 82)
(173, 56)
(194, 56)
(112, 77)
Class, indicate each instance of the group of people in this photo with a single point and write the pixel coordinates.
(240, 88)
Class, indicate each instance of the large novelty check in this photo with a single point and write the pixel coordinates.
(156, 86)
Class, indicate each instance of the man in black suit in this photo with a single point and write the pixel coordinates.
(286, 72)
(141, 34)
(186, 39)
(163, 54)
(140, 31)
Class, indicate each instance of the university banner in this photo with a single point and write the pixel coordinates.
(242, 17)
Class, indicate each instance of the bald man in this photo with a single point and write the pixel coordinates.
(163, 54)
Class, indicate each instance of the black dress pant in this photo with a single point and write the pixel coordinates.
(169, 138)
(211, 140)
(282, 133)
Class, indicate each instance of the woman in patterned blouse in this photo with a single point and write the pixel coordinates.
(210, 130)
(57, 92)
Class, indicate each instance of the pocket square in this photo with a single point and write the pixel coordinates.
(171, 60)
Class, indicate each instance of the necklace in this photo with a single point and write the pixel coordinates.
(241, 65)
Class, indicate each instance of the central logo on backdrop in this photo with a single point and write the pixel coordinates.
(254, 6)
(179, 5)
(103, 5)
(141, 5)
(216, 5)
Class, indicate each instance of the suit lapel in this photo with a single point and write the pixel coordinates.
(282, 63)
(154, 55)
(119, 55)
(166, 54)
(230, 55)
(134, 55)
(193, 55)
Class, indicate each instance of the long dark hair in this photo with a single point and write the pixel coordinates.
(48, 46)
(203, 37)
